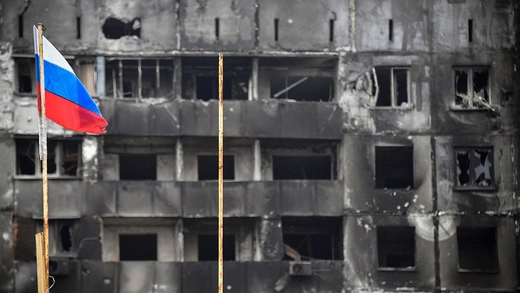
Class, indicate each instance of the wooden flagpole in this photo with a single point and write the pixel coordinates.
(43, 280)
(220, 175)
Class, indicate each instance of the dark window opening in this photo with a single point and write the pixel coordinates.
(401, 87)
(25, 71)
(20, 26)
(137, 167)
(138, 247)
(26, 157)
(384, 81)
(66, 237)
(208, 247)
(396, 247)
(276, 21)
(51, 157)
(217, 28)
(63, 158)
(208, 167)
(78, 27)
(390, 29)
(480, 84)
(312, 238)
(302, 167)
(70, 160)
(477, 248)
(470, 30)
(114, 28)
(200, 78)
(302, 88)
(474, 167)
(472, 87)
(394, 167)
(393, 87)
(331, 30)
(207, 88)
(461, 87)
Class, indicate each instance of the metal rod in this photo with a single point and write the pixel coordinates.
(220, 174)
(43, 158)
(289, 87)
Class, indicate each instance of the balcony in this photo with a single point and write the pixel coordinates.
(255, 119)
(96, 276)
(75, 198)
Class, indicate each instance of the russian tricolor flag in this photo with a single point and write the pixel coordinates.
(67, 102)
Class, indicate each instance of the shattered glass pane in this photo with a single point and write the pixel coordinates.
(461, 88)
(480, 85)
(482, 166)
(463, 163)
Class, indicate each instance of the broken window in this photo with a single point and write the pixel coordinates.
(139, 78)
(200, 78)
(394, 167)
(208, 247)
(393, 87)
(25, 82)
(137, 247)
(302, 167)
(312, 238)
(201, 239)
(474, 167)
(396, 247)
(114, 28)
(208, 167)
(63, 158)
(137, 166)
(472, 88)
(477, 247)
(302, 88)
(61, 237)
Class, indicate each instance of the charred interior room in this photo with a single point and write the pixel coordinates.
(368, 145)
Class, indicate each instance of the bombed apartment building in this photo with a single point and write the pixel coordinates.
(370, 145)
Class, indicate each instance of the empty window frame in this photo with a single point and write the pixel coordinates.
(138, 247)
(207, 247)
(396, 247)
(394, 87)
(139, 78)
(477, 247)
(200, 78)
(312, 238)
(317, 167)
(472, 87)
(474, 167)
(25, 76)
(394, 167)
(63, 158)
(137, 166)
(201, 239)
(207, 166)
(302, 88)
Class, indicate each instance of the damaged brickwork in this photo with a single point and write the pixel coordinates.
(370, 146)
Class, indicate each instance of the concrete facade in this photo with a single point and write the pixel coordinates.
(371, 143)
